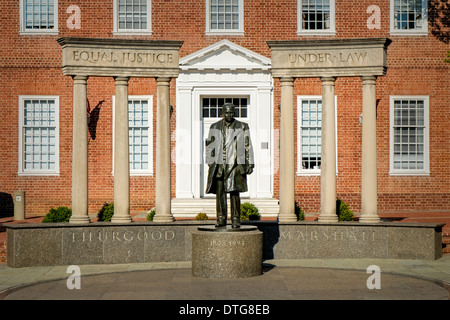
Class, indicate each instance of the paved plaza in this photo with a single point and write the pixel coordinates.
(306, 279)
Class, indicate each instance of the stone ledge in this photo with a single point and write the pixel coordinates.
(52, 244)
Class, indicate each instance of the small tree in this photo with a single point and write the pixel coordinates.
(249, 212)
(61, 214)
(345, 214)
(106, 212)
(151, 214)
(299, 212)
(201, 216)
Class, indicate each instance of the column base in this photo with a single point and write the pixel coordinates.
(287, 218)
(79, 219)
(119, 219)
(370, 219)
(328, 219)
(162, 219)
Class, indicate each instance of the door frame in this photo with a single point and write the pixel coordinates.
(203, 136)
(197, 132)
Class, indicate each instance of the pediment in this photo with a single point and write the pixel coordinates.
(225, 55)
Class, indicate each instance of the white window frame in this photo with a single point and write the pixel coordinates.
(414, 32)
(300, 170)
(149, 171)
(304, 32)
(239, 31)
(426, 153)
(117, 31)
(21, 170)
(24, 31)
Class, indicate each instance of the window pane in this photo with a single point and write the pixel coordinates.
(138, 134)
(408, 14)
(311, 133)
(39, 14)
(212, 107)
(224, 14)
(132, 14)
(39, 135)
(316, 14)
(408, 132)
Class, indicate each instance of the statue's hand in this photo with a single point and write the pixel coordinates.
(249, 170)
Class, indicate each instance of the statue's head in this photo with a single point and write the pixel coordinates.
(228, 111)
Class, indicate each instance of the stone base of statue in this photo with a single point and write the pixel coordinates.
(226, 252)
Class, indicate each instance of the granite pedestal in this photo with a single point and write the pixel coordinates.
(226, 252)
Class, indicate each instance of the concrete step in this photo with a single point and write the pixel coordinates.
(189, 208)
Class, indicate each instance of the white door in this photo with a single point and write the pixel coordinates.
(211, 111)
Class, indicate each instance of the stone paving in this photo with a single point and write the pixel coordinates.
(315, 279)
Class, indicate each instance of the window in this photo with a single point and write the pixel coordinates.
(224, 17)
(316, 17)
(309, 141)
(409, 17)
(132, 17)
(38, 135)
(140, 133)
(409, 135)
(39, 17)
(212, 107)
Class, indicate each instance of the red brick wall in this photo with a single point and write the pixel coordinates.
(31, 66)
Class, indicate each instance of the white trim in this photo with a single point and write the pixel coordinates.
(426, 152)
(45, 32)
(415, 32)
(329, 32)
(212, 71)
(131, 32)
(21, 171)
(133, 172)
(214, 32)
(300, 170)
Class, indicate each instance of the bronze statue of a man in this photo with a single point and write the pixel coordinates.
(229, 155)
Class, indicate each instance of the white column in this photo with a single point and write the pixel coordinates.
(287, 163)
(121, 154)
(163, 160)
(369, 191)
(328, 161)
(80, 152)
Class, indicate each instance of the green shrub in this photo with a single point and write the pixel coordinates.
(61, 214)
(201, 216)
(345, 214)
(299, 212)
(106, 212)
(151, 214)
(249, 212)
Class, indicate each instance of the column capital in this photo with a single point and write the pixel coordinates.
(163, 81)
(369, 79)
(80, 79)
(121, 80)
(287, 80)
(328, 80)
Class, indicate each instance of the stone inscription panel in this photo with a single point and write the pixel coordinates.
(328, 58)
(120, 57)
(322, 58)
(311, 241)
(123, 245)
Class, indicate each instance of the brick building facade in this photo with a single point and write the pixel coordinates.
(225, 56)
